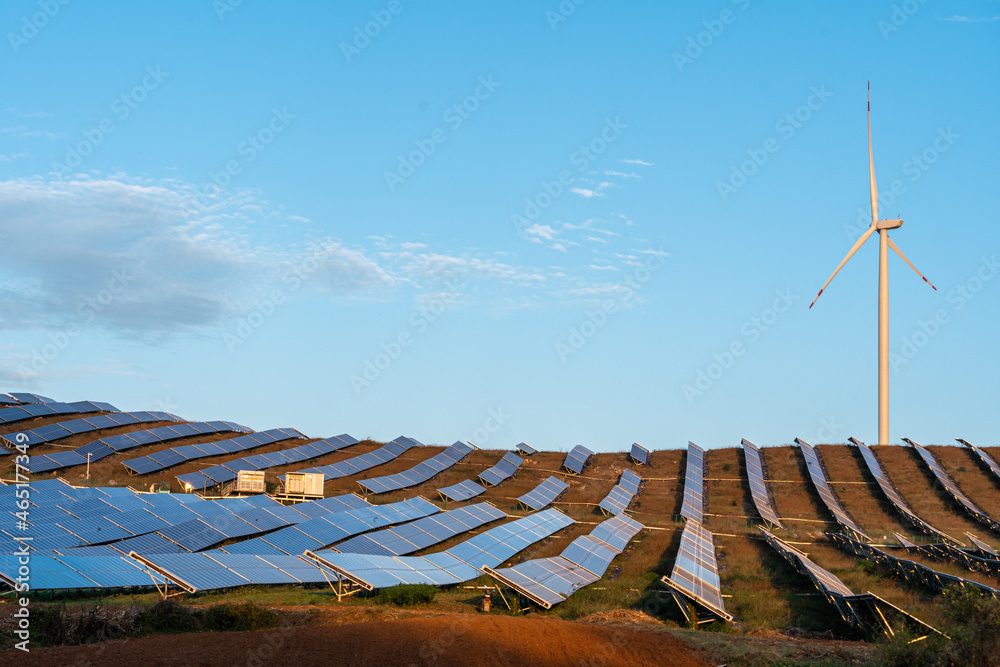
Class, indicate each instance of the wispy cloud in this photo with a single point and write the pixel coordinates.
(639, 162)
(22, 131)
(584, 192)
(611, 172)
(972, 19)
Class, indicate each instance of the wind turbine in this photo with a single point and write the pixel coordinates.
(884, 243)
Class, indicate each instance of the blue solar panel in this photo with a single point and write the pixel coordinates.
(544, 493)
(577, 459)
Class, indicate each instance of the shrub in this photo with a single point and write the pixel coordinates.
(407, 594)
(239, 617)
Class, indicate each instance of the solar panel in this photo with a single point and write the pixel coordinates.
(939, 472)
(549, 581)
(693, 506)
(419, 473)
(759, 491)
(890, 492)
(449, 567)
(464, 490)
(526, 449)
(577, 459)
(984, 457)
(695, 575)
(639, 454)
(503, 470)
(817, 472)
(543, 494)
(824, 579)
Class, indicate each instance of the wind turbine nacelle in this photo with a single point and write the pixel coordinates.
(888, 224)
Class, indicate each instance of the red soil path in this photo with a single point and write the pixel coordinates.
(441, 641)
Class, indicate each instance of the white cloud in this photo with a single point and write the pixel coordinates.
(640, 162)
(611, 172)
(971, 19)
(586, 193)
(147, 258)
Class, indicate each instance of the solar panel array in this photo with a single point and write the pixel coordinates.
(970, 507)
(419, 473)
(981, 546)
(912, 571)
(759, 491)
(818, 475)
(422, 533)
(168, 458)
(693, 506)
(18, 413)
(383, 454)
(216, 570)
(223, 473)
(549, 581)
(696, 574)
(622, 494)
(456, 565)
(59, 430)
(526, 449)
(984, 457)
(543, 494)
(884, 483)
(639, 454)
(464, 490)
(99, 449)
(503, 470)
(577, 459)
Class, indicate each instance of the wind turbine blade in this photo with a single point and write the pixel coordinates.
(871, 159)
(908, 262)
(860, 242)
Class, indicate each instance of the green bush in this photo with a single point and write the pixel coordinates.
(406, 595)
(239, 617)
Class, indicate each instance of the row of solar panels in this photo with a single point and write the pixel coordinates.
(422, 533)
(419, 473)
(89, 567)
(63, 517)
(227, 472)
(167, 458)
(549, 581)
(18, 413)
(23, 397)
(59, 430)
(695, 575)
(693, 505)
(577, 459)
(759, 492)
(99, 449)
(383, 454)
(543, 494)
(970, 507)
(467, 489)
(909, 570)
(503, 470)
(622, 494)
(817, 472)
(893, 496)
(866, 611)
(455, 565)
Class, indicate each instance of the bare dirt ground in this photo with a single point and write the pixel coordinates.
(442, 641)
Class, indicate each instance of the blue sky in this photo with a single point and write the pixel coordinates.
(559, 223)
